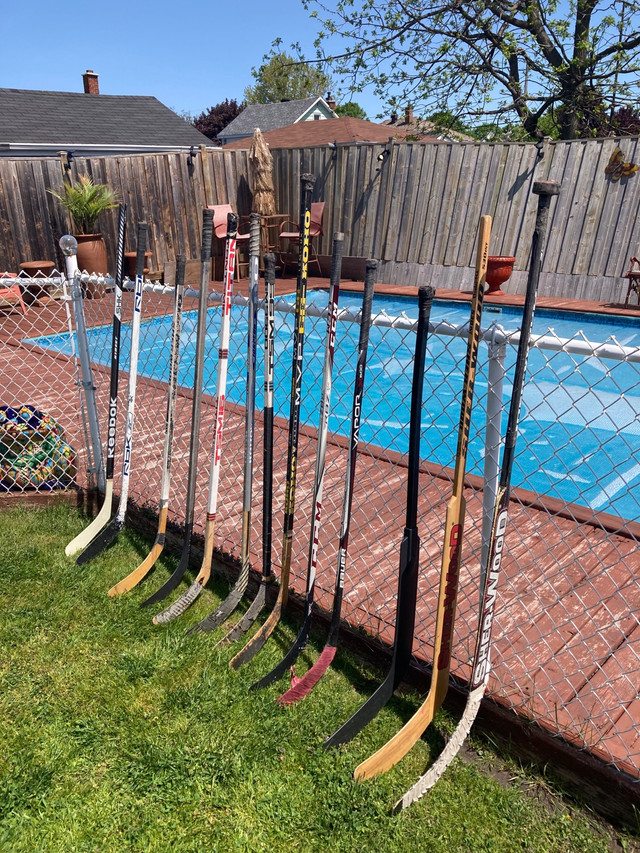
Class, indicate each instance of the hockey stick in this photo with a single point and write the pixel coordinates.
(398, 746)
(481, 662)
(187, 598)
(258, 603)
(134, 578)
(106, 536)
(205, 269)
(232, 600)
(409, 550)
(102, 518)
(325, 405)
(262, 635)
(302, 686)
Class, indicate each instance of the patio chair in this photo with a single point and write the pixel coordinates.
(11, 290)
(633, 275)
(220, 213)
(289, 240)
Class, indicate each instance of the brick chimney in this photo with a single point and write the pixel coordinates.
(330, 101)
(408, 115)
(90, 80)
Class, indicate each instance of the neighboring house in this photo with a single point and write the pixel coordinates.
(417, 128)
(334, 130)
(36, 124)
(272, 116)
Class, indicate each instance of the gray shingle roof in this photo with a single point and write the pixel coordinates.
(267, 117)
(74, 119)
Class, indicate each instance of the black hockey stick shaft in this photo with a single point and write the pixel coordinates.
(115, 343)
(323, 430)
(262, 635)
(107, 535)
(260, 599)
(196, 409)
(408, 567)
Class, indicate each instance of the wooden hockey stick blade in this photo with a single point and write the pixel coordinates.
(262, 635)
(398, 746)
(447, 755)
(178, 573)
(255, 609)
(102, 541)
(138, 574)
(91, 530)
(289, 659)
(303, 686)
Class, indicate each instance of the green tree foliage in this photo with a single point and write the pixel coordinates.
(212, 121)
(516, 62)
(282, 77)
(351, 108)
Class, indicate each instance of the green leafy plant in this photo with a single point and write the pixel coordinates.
(85, 201)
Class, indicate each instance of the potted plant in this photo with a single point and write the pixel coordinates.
(85, 201)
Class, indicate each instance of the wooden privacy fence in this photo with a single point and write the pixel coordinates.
(415, 208)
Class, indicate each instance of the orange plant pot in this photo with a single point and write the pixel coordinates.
(499, 269)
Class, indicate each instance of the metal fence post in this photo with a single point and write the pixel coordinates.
(94, 451)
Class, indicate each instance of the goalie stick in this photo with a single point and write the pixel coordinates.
(481, 662)
(262, 635)
(323, 430)
(398, 746)
(134, 578)
(107, 535)
(226, 608)
(196, 409)
(102, 518)
(302, 686)
(257, 605)
(187, 598)
(409, 550)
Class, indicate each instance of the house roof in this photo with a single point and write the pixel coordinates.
(271, 116)
(417, 128)
(74, 120)
(308, 133)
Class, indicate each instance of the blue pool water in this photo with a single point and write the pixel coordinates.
(580, 423)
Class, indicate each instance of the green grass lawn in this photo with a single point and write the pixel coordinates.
(118, 735)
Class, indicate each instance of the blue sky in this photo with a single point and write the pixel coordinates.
(189, 54)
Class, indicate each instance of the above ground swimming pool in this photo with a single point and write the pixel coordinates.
(579, 428)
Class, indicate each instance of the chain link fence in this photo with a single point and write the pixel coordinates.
(567, 650)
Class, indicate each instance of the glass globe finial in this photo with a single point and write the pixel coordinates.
(69, 245)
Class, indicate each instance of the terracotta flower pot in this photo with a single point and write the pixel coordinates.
(130, 261)
(499, 269)
(92, 257)
(36, 269)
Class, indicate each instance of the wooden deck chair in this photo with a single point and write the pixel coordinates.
(288, 242)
